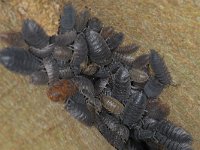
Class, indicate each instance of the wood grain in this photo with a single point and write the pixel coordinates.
(30, 121)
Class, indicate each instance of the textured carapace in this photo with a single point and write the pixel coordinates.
(138, 76)
(134, 109)
(95, 24)
(34, 35)
(43, 52)
(81, 20)
(159, 67)
(121, 85)
(67, 19)
(125, 59)
(112, 105)
(173, 132)
(19, 60)
(128, 49)
(80, 53)
(99, 51)
(61, 90)
(115, 40)
(169, 144)
(65, 39)
(51, 67)
(153, 88)
(76, 106)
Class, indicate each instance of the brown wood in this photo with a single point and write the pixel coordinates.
(30, 121)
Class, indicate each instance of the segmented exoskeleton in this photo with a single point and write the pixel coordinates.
(95, 24)
(34, 35)
(114, 125)
(67, 19)
(19, 60)
(159, 68)
(173, 132)
(51, 69)
(138, 76)
(81, 20)
(171, 145)
(153, 88)
(121, 85)
(128, 49)
(42, 52)
(77, 107)
(134, 109)
(80, 53)
(98, 49)
(112, 137)
(115, 40)
(112, 105)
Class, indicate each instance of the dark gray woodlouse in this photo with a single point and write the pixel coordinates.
(95, 24)
(43, 52)
(114, 125)
(51, 69)
(98, 49)
(112, 105)
(67, 19)
(159, 68)
(171, 145)
(19, 60)
(110, 136)
(115, 40)
(121, 85)
(80, 111)
(153, 88)
(134, 109)
(80, 53)
(173, 132)
(66, 72)
(81, 20)
(65, 39)
(34, 35)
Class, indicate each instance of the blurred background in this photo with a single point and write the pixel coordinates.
(30, 121)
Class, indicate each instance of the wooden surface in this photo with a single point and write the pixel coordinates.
(30, 121)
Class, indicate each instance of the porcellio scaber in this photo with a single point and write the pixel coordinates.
(99, 80)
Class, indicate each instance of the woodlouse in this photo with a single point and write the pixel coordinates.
(112, 105)
(61, 90)
(19, 60)
(67, 19)
(34, 35)
(121, 85)
(159, 67)
(134, 110)
(79, 110)
(98, 49)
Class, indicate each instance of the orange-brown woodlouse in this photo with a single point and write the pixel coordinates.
(61, 90)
